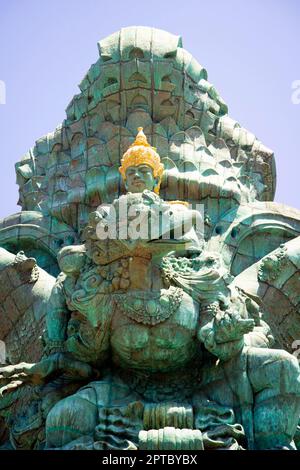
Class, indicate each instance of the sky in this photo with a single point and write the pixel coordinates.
(251, 50)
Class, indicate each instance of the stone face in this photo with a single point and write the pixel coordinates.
(160, 342)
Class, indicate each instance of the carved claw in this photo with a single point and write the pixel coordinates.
(9, 371)
(11, 387)
(229, 328)
(14, 376)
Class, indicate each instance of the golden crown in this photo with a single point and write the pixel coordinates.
(141, 152)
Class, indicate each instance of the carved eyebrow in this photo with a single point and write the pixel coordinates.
(145, 167)
(141, 168)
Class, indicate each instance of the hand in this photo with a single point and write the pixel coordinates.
(231, 327)
(15, 376)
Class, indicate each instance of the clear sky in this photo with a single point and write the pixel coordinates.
(251, 50)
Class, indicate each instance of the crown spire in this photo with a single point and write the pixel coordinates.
(140, 139)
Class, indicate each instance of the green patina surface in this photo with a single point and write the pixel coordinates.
(179, 342)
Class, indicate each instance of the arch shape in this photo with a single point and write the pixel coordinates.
(136, 53)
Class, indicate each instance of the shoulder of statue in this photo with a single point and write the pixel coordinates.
(182, 203)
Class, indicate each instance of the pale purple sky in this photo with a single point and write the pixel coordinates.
(251, 50)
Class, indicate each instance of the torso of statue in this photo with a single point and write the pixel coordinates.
(124, 310)
(145, 326)
(154, 330)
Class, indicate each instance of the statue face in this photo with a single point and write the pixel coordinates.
(139, 178)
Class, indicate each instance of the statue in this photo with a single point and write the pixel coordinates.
(156, 335)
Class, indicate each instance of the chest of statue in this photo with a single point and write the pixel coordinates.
(155, 330)
(149, 307)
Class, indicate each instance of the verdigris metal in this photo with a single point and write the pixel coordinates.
(177, 342)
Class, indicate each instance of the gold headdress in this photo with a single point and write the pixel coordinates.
(141, 152)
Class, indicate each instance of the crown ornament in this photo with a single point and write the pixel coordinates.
(139, 153)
